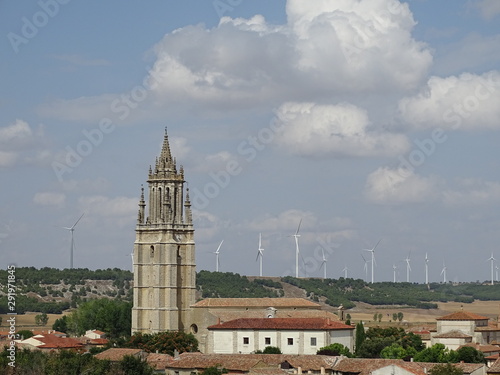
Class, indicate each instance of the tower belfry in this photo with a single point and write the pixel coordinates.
(164, 251)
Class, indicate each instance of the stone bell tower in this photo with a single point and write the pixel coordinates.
(164, 251)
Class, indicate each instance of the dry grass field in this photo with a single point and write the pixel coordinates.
(27, 321)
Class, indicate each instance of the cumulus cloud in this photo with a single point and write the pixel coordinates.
(399, 185)
(19, 143)
(286, 221)
(473, 192)
(310, 129)
(50, 199)
(467, 102)
(326, 47)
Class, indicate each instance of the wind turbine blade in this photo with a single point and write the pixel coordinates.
(298, 228)
(260, 240)
(217, 252)
(74, 225)
(376, 245)
(323, 253)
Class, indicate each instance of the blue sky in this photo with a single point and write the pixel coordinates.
(368, 120)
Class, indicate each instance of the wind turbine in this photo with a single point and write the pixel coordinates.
(323, 263)
(345, 272)
(426, 269)
(72, 230)
(217, 263)
(394, 269)
(496, 270)
(492, 260)
(365, 267)
(260, 253)
(443, 272)
(372, 250)
(408, 268)
(297, 251)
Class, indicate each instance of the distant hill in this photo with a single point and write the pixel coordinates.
(53, 290)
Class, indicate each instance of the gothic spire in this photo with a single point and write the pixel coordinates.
(165, 155)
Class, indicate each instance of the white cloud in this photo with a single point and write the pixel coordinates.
(309, 129)
(19, 130)
(386, 185)
(326, 48)
(286, 222)
(50, 199)
(489, 9)
(473, 192)
(108, 207)
(465, 102)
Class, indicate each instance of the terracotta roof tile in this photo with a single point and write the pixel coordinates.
(246, 362)
(463, 315)
(256, 302)
(159, 361)
(226, 315)
(455, 334)
(484, 348)
(117, 354)
(282, 323)
(55, 342)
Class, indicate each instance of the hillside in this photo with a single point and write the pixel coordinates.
(52, 290)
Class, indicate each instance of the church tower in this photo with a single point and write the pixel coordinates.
(164, 251)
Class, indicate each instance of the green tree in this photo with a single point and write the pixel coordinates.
(445, 369)
(400, 316)
(437, 353)
(131, 365)
(379, 317)
(25, 334)
(375, 317)
(394, 316)
(111, 316)
(41, 319)
(271, 350)
(360, 336)
(214, 370)
(396, 351)
(61, 324)
(335, 349)
(468, 354)
(164, 342)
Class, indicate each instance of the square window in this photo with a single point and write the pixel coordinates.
(313, 341)
(290, 341)
(246, 340)
(267, 341)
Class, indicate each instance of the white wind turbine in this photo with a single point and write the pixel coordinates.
(394, 269)
(443, 272)
(365, 267)
(72, 230)
(496, 270)
(260, 254)
(372, 250)
(323, 263)
(492, 260)
(217, 263)
(408, 268)
(345, 272)
(426, 269)
(297, 250)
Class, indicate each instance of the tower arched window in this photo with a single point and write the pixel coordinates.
(152, 251)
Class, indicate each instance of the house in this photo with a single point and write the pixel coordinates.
(189, 363)
(291, 335)
(51, 342)
(462, 327)
(117, 354)
(211, 311)
(95, 334)
(363, 366)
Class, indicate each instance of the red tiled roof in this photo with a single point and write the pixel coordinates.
(282, 323)
(483, 348)
(495, 367)
(159, 361)
(117, 354)
(55, 342)
(462, 315)
(364, 366)
(256, 302)
(455, 334)
(467, 368)
(246, 362)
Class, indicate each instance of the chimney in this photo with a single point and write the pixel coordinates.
(299, 370)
